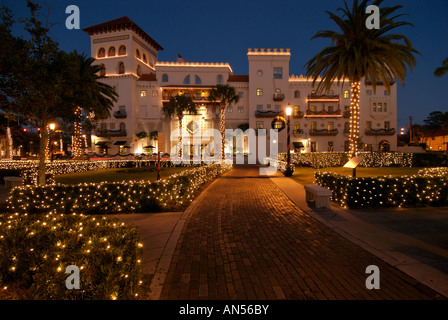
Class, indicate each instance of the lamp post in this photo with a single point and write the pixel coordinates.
(289, 171)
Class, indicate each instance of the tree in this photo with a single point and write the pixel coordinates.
(443, 70)
(436, 120)
(359, 53)
(225, 95)
(85, 92)
(179, 105)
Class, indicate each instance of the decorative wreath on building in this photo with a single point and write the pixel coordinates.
(278, 123)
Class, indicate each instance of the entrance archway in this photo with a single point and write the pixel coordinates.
(384, 146)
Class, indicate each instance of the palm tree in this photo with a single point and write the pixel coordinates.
(226, 95)
(179, 105)
(86, 93)
(359, 53)
(443, 70)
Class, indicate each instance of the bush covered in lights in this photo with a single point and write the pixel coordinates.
(37, 249)
(114, 197)
(430, 188)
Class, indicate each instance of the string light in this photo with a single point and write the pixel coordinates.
(77, 138)
(354, 119)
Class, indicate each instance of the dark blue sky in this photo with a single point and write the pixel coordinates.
(221, 31)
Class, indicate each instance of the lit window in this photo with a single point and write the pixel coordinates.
(296, 111)
(143, 93)
(330, 126)
(229, 109)
(197, 80)
(313, 126)
(387, 125)
(165, 78)
(259, 92)
(187, 80)
(313, 108)
(219, 79)
(155, 93)
(380, 107)
(368, 125)
(278, 73)
(240, 109)
(259, 124)
(297, 127)
(374, 107)
(346, 94)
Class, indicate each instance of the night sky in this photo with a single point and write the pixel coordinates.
(221, 31)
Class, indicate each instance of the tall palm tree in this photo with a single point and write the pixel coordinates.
(178, 105)
(225, 95)
(443, 70)
(85, 92)
(360, 53)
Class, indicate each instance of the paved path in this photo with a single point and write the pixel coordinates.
(246, 240)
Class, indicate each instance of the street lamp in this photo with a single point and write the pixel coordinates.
(289, 171)
(52, 126)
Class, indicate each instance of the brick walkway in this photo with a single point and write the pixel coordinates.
(246, 240)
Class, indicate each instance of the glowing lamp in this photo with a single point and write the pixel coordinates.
(288, 111)
(52, 126)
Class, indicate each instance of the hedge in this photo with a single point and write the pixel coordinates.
(114, 197)
(426, 189)
(37, 249)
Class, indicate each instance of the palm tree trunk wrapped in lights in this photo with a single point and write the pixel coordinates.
(359, 53)
(77, 137)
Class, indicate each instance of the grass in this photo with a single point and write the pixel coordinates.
(115, 175)
(305, 175)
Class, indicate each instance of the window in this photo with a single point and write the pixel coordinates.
(369, 92)
(259, 108)
(313, 126)
(122, 126)
(277, 108)
(121, 68)
(241, 94)
(297, 94)
(374, 107)
(380, 107)
(347, 127)
(368, 125)
(330, 126)
(386, 125)
(278, 73)
(240, 109)
(122, 109)
(296, 127)
(101, 53)
(111, 52)
(259, 124)
(143, 93)
(112, 126)
(197, 80)
(313, 146)
(330, 109)
(347, 108)
(346, 94)
(386, 93)
(259, 92)
(330, 146)
(219, 79)
(165, 78)
(103, 70)
(259, 73)
(296, 111)
(313, 108)
(145, 58)
(122, 51)
(385, 107)
(155, 93)
(229, 109)
(137, 54)
(187, 80)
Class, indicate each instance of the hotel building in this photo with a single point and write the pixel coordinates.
(319, 123)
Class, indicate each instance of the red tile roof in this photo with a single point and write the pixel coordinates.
(122, 23)
(238, 78)
(436, 133)
(147, 77)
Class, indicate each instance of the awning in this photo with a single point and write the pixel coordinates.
(298, 145)
(120, 143)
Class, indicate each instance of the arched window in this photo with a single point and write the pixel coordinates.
(121, 67)
(187, 80)
(297, 94)
(122, 50)
(151, 61)
(111, 52)
(145, 58)
(139, 71)
(102, 72)
(101, 52)
(219, 80)
(197, 80)
(165, 78)
(137, 54)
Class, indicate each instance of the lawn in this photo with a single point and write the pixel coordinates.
(305, 175)
(115, 175)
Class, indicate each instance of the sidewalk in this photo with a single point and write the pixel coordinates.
(245, 239)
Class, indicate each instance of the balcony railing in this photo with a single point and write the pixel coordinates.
(278, 96)
(323, 113)
(120, 114)
(324, 132)
(267, 114)
(297, 131)
(298, 115)
(380, 132)
(332, 97)
(111, 133)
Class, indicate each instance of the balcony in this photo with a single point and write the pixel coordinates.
(111, 133)
(380, 132)
(298, 115)
(323, 98)
(278, 96)
(120, 114)
(297, 131)
(324, 132)
(267, 114)
(323, 114)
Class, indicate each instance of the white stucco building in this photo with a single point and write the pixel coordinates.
(319, 122)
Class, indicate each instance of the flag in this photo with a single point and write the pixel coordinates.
(180, 58)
